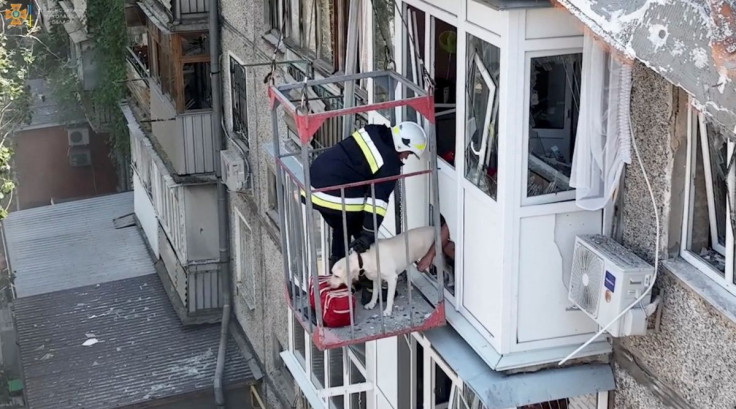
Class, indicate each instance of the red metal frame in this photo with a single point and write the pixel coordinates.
(308, 124)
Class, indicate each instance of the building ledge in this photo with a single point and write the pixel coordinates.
(703, 286)
(494, 360)
(272, 39)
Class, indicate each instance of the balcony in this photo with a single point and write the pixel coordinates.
(184, 9)
(185, 138)
(304, 235)
(180, 223)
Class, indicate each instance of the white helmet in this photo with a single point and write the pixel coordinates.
(409, 136)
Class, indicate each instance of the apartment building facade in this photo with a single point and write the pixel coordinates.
(492, 339)
(522, 72)
(174, 153)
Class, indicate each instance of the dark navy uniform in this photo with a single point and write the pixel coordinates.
(367, 154)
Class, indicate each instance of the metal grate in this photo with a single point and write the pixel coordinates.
(322, 127)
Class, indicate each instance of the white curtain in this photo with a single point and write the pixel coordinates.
(603, 140)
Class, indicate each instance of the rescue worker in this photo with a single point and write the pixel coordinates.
(373, 152)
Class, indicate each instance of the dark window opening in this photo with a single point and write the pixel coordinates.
(238, 98)
(445, 76)
(197, 90)
(194, 44)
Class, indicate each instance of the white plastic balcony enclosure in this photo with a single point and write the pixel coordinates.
(302, 247)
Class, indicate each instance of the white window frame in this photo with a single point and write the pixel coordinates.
(493, 98)
(347, 389)
(244, 261)
(550, 197)
(457, 399)
(696, 122)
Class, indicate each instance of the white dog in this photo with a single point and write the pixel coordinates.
(392, 253)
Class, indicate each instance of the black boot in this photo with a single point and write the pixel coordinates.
(367, 293)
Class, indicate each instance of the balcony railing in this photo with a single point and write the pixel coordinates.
(137, 76)
(189, 8)
(197, 143)
(331, 131)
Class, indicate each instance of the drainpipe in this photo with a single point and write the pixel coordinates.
(222, 202)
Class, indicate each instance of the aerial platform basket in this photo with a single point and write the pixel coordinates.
(304, 238)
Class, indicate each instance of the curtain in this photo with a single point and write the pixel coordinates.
(603, 139)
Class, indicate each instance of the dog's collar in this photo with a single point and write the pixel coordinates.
(360, 264)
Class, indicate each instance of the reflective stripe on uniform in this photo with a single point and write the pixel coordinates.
(322, 199)
(380, 208)
(370, 151)
(352, 204)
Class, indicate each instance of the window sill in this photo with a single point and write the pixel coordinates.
(703, 286)
(272, 39)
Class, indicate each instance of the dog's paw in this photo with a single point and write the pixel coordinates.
(387, 312)
(370, 306)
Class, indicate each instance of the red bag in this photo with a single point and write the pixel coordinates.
(324, 287)
(336, 307)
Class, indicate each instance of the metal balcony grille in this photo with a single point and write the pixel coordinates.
(303, 236)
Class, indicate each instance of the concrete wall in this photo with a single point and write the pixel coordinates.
(43, 172)
(266, 326)
(691, 359)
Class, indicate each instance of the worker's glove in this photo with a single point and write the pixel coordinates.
(362, 243)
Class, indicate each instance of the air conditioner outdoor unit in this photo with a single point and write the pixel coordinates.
(605, 279)
(80, 158)
(78, 136)
(233, 170)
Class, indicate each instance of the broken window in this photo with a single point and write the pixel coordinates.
(238, 99)
(709, 236)
(554, 103)
(481, 126)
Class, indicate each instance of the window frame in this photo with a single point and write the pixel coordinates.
(245, 277)
(696, 124)
(337, 21)
(346, 388)
(549, 198)
(242, 129)
(492, 113)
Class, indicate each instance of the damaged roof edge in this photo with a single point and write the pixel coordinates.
(672, 38)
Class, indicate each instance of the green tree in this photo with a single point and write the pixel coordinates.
(16, 56)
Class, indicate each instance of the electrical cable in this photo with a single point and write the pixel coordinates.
(626, 108)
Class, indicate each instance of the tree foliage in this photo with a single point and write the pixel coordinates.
(16, 57)
(105, 23)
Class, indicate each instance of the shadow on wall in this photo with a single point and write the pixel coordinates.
(48, 170)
